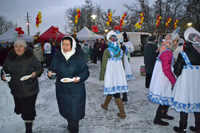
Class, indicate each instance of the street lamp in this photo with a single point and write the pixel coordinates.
(189, 24)
(93, 16)
(17, 22)
(106, 30)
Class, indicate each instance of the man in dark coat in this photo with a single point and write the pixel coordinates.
(102, 47)
(71, 96)
(95, 51)
(150, 55)
(2, 55)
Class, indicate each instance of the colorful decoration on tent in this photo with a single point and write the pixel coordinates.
(95, 29)
(77, 16)
(168, 21)
(175, 23)
(158, 20)
(38, 19)
(109, 18)
(138, 25)
(119, 27)
(19, 30)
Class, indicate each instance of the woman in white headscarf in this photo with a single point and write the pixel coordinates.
(71, 71)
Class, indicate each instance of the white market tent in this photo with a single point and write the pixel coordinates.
(86, 34)
(11, 35)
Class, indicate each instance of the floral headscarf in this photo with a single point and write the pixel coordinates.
(168, 42)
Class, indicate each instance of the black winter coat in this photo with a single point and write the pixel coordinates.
(150, 55)
(19, 66)
(71, 97)
(193, 56)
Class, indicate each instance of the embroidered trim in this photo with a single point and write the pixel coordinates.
(112, 55)
(188, 63)
(116, 89)
(191, 67)
(159, 99)
(129, 77)
(114, 59)
(181, 107)
(185, 57)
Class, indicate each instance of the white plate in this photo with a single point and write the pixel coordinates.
(25, 77)
(66, 80)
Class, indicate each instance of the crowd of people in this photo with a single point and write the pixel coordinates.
(170, 81)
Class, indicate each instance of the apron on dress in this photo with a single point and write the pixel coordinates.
(115, 78)
(128, 72)
(160, 87)
(186, 92)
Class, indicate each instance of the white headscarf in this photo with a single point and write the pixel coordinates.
(67, 55)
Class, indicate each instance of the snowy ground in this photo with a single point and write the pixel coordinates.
(140, 111)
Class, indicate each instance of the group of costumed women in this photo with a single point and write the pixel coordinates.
(176, 83)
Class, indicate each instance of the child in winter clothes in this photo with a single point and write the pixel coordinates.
(163, 79)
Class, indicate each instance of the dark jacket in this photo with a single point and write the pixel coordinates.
(3, 54)
(19, 66)
(193, 56)
(150, 55)
(102, 47)
(71, 96)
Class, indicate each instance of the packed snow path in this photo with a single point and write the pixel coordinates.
(140, 111)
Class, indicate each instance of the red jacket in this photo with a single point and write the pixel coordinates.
(166, 60)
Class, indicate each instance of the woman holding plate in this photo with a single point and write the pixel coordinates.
(24, 68)
(71, 71)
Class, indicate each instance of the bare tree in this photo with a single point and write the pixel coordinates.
(88, 9)
(193, 13)
(5, 24)
(185, 11)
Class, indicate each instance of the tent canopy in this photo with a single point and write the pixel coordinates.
(49, 35)
(86, 34)
(11, 35)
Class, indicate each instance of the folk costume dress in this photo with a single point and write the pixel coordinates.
(186, 92)
(160, 87)
(128, 72)
(114, 78)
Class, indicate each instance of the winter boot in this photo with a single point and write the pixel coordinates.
(124, 97)
(106, 102)
(29, 125)
(181, 129)
(157, 120)
(120, 105)
(165, 115)
(196, 128)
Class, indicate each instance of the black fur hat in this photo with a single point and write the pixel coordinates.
(125, 37)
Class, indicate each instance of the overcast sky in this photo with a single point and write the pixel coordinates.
(53, 11)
